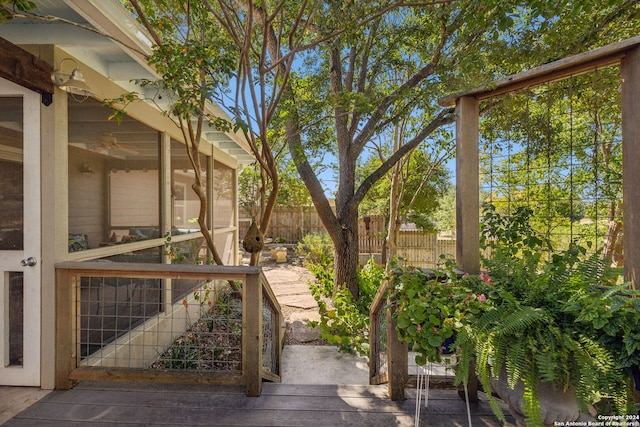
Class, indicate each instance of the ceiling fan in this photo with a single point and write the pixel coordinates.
(107, 142)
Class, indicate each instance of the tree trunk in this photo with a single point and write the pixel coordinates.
(395, 196)
(347, 255)
(611, 239)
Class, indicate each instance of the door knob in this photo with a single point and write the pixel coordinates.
(29, 262)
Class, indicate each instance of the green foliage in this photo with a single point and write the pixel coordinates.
(8, 7)
(548, 318)
(182, 355)
(291, 190)
(432, 307)
(420, 192)
(343, 324)
(316, 249)
(186, 252)
(445, 216)
(557, 147)
(343, 321)
(213, 339)
(559, 318)
(370, 276)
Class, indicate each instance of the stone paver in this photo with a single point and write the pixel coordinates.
(304, 302)
(305, 316)
(281, 289)
(282, 275)
(290, 286)
(303, 333)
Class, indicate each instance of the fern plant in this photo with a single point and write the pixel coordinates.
(551, 317)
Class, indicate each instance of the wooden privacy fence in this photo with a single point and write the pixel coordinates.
(290, 224)
(415, 247)
(166, 323)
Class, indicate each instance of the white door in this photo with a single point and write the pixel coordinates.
(19, 235)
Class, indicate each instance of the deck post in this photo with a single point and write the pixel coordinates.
(468, 196)
(252, 334)
(630, 70)
(467, 186)
(65, 328)
(397, 359)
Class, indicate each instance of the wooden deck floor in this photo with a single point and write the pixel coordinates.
(101, 404)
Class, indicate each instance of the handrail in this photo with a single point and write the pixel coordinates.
(256, 296)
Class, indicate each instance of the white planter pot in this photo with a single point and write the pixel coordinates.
(558, 407)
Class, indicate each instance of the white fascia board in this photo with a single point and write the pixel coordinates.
(111, 18)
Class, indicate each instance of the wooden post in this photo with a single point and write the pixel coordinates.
(65, 329)
(468, 197)
(467, 186)
(397, 359)
(252, 334)
(630, 69)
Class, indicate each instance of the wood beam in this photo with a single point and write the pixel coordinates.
(630, 69)
(557, 70)
(24, 69)
(397, 358)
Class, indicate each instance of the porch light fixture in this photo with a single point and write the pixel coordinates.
(72, 83)
(85, 169)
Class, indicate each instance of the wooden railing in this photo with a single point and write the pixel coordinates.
(388, 356)
(93, 293)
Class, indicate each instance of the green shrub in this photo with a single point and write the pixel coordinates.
(369, 277)
(346, 324)
(316, 248)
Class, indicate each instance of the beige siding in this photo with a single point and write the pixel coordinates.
(86, 197)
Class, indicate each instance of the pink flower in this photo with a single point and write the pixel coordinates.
(485, 278)
(419, 328)
(482, 297)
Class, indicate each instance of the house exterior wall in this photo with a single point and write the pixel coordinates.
(83, 211)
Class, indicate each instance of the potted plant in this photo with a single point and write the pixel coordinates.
(431, 306)
(551, 322)
(555, 322)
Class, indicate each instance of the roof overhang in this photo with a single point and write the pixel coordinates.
(115, 46)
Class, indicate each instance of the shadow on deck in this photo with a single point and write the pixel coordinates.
(133, 404)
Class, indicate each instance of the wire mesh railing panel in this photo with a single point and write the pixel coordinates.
(383, 367)
(111, 307)
(378, 343)
(557, 148)
(120, 322)
(212, 340)
(123, 322)
(270, 341)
